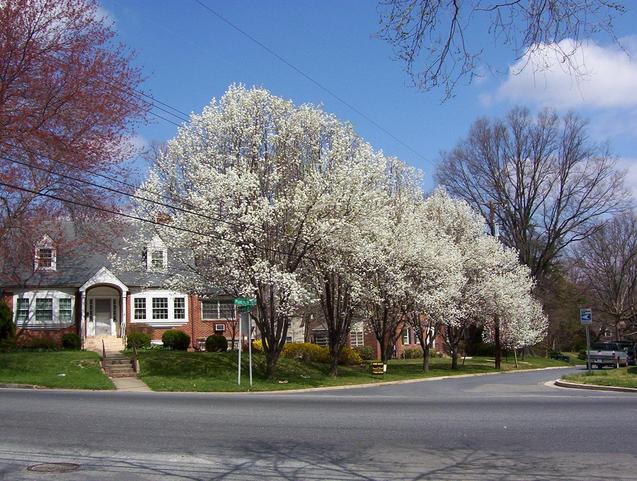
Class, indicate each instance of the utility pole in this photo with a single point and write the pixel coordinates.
(496, 320)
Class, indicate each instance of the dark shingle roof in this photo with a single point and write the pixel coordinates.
(81, 253)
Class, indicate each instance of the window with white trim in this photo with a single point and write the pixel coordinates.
(405, 334)
(160, 308)
(65, 313)
(157, 260)
(217, 309)
(45, 255)
(22, 310)
(44, 309)
(356, 338)
(45, 258)
(179, 308)
(139, 304)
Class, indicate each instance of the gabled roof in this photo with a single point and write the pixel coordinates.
(80, 255)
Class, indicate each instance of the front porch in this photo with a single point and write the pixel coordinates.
(103, 312)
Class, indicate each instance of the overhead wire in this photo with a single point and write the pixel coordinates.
(144, 220)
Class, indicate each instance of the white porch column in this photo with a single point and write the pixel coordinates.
(82, 316)
(122, 318)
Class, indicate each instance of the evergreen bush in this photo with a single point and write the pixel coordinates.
(176, 340)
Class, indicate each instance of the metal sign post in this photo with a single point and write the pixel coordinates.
(586, 319)
(250, 347)
(240, 346)
(245, 304)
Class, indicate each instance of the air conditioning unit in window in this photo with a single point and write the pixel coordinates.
(220, 327)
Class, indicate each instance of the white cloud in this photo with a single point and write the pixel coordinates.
(605, 76)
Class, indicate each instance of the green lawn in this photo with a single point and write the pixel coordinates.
(622, 377)
(196, 371)
(59, 369)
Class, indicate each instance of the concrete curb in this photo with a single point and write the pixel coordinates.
(390, 383)
(593, 387)
(296, 391)
(21, 386)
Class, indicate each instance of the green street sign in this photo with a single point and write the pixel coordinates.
(245, 302)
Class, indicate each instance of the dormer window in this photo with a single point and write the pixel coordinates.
(156, 256)
(157, 260)
(45, 255)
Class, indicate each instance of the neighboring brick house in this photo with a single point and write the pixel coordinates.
(80, 290)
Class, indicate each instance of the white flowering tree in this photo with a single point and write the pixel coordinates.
(389, 292)
(494, 290)
(336, 272)
(511, 311)
(247, 176)
(435, 274)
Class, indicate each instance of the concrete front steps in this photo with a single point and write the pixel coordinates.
(118, 365)
(112, 344)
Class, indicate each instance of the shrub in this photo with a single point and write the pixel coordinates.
(365, 352)
(582, 355)
(413, 353)
(257, 345)
(72, 341)
(41, 344)
(7, 327)
(216, 343)
(140, 340)
(307, 352)
(176, 340)
(350, 356)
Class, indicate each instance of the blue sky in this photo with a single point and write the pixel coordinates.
(189, 56)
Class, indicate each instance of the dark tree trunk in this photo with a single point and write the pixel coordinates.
(425, 359)
(454, 360)
(498, 345)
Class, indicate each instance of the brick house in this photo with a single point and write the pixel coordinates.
(72, 286)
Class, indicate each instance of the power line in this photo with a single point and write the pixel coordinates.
(143, 219)
(310, 79)
(189, 206)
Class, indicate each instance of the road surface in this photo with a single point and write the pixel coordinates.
(502, 427)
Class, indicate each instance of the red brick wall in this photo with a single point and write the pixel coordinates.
(24, 336)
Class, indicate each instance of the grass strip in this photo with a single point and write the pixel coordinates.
(196, 371)
(54, 369)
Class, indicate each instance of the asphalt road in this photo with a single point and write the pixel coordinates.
(503, 427)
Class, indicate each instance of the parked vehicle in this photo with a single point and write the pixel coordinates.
(607, 354)
(631, 351)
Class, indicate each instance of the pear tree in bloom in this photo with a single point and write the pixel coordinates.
(389, 291)
(464, 230)
(248, 176)
(435, 274)
(511, 310)
(336, 272)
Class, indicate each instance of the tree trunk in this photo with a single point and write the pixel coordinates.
(498, 346)
(454, 360)
(335, 354)
(425, 360)
(271, 359)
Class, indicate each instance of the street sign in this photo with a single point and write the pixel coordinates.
(586, 316)
(245, 302)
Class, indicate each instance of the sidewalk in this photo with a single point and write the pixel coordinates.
(130, 384)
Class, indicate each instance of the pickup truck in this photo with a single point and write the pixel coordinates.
(607, 354)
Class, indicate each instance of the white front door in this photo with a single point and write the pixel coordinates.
(103, 317)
